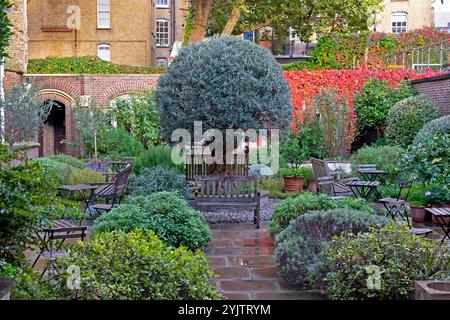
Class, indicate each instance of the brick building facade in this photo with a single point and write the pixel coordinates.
(129, 32)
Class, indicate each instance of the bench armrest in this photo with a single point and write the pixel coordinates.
(261, 193)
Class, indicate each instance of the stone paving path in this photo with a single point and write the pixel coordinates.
(243, 257)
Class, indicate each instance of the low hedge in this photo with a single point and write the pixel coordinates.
(300, 244)
(83, 65)
(381, 264)
(291, 208)
(135, 266)
(166, 213)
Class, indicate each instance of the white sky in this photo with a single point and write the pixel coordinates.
(441, 12)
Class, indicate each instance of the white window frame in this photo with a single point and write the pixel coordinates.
(158, 44)
(104, 14)
(399, 22)
(102, 48)
(162, 5)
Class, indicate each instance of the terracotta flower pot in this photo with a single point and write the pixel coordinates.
(292, 184)
(418, 213)
(312, 186)
(266, 44)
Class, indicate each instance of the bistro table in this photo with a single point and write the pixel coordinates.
(372, 174)
(442, 216)
(84, 190)
(363, 189)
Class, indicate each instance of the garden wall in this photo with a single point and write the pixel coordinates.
(437, 89)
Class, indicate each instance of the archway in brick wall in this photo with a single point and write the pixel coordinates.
(58, 132)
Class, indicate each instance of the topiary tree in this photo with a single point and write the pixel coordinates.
(227, 83)
(406, 118)
(439, 125)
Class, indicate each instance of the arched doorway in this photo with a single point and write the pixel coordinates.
(52, 139)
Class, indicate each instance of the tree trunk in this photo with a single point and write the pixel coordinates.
(231, 23)
(202, 9)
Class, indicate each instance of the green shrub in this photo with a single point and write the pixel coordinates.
(138, 115)
(82, 65)
(69, 160)
(438, 195)
(439, 125)
(297, 172)
(291, 208)
(117, 143)
(226, 82)
(159, 178)
(387, 158)
(56, 169)
(299, 245)
(407, 117)
(402, 259)
(375, 100)
(27, 197)
(429, 159)
(166, 213)
(155, 156)
(137, 266)
(84, 176)
(275, 187)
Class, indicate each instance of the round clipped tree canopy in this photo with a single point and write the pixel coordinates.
(227, 83)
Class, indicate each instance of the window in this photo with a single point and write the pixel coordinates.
(161, 63)
(162, 3)
(162, 33)
(103, 14)
(104, 51)
(399, 22)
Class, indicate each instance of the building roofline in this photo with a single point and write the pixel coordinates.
(431, 79)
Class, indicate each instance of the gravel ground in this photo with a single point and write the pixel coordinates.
(240, 216)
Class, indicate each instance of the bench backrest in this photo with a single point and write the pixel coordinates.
(196, 166)
(226, 188)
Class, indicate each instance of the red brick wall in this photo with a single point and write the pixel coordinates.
(437, 89)
(11, 79)
(102, 88)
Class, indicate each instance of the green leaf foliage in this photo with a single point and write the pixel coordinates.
(166, 213)
(154, 156)
(300, 244)
(401, 257)
(408, 117)
(136, 266)
(227, 83)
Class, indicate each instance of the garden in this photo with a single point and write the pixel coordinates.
(357, 209)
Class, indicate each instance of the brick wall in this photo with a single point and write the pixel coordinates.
(437, 89)
(67, 89)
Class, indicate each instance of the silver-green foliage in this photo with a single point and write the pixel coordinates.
(226, 83)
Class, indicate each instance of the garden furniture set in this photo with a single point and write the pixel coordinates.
(63, 229)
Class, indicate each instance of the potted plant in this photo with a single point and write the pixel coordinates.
(417, 204)
(295, 178)
(265, 40)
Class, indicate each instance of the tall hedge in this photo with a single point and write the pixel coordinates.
(226, 83)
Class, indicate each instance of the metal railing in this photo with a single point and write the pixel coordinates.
(430, 57)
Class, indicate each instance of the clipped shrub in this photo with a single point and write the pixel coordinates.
(59, 170)
(407, 117)
(166, 213)
(439, 125)
(387, 158)
(376, 98)
(82, 65)
(155, 156)
(299, 245)
(226, 82)
(291, 208)
(84, 176)
(400, 257)
(136, 266)
(159, 178)
(69, 160)
(117, 143)
(429, 159)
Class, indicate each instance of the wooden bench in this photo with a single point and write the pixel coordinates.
(228, 191)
